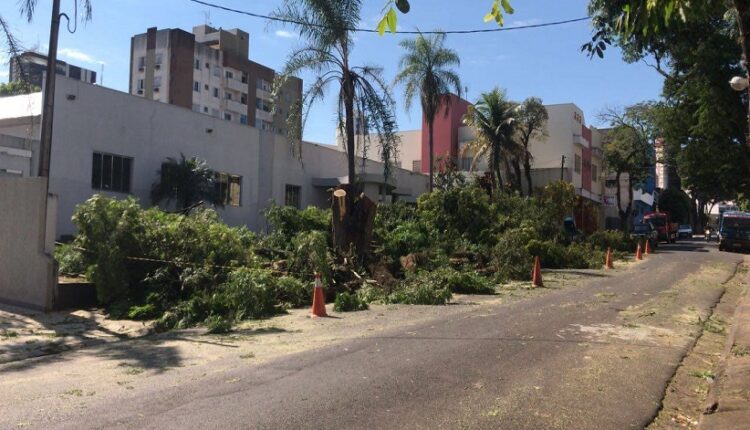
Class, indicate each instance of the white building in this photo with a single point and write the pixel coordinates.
(114, 143)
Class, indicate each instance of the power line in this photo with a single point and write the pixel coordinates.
(368, 30)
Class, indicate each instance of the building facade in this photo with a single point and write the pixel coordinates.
(209, 71)
(113, 143)
(568, 150)
(31, 67)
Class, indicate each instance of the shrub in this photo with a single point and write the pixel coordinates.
(615, 239)
(458, 212)
(551, 255)
(217, 324)
(292, 292)
(459, 282)
(309, 254)
(372, 294)
(247, 293)
(346, 302)
(510, 257)
(584, 256)
(406, 238)
(143, 312)
(286, 222)
(70, 260)
(420, 294)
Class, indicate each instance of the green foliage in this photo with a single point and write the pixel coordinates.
(510, 257)
(464, 282)
(615, 239)
(187, 181)
(16, 88)
(346, 302)
(143, 312)
(217, 324)
(456, 213)
(421, 289)
(677, 203)
(287, 222)
(310, 254)
(71, 260)
(406, 238)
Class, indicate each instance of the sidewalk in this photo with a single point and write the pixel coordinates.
(732, 389)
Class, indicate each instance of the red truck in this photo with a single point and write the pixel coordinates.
(660, 220)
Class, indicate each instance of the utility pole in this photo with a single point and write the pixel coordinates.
(562, 169)
(45, 147)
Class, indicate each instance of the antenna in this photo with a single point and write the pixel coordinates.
(207, 17)
(101, 76)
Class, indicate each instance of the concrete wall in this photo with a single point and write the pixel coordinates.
(90, 118)
(28, 276)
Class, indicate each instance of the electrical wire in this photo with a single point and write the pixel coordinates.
(368, 30)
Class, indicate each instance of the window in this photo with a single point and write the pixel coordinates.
(206, 87)
(205, 109)
(229, 188)
(416, 166)
(243, 119)
(216, 92)
(229, 75)
(577, 165)
(111, 172)
(291, 197)
(243, 98)
(196, 86)
(228, 95)
(158, 60)
(244, 77)
(141, 63)
(141, 84)
(263, 84)
(197, 64)
(228, 116)
(610, 183)
(215, 113)
(217, 72)
(594, 173)
(263, 125)
(157, 83)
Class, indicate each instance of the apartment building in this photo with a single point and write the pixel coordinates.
(113, 143)
(31, 67)
(209, 71)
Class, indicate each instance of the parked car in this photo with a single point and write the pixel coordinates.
(646, 231)
(685, 231)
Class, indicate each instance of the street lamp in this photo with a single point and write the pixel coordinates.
(738, 83)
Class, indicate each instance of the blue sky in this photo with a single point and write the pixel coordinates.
(544, 62)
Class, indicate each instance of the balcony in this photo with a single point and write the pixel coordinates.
(265, 116)
(262, 94)
(580, 141)
(234, 106)
(235, 85)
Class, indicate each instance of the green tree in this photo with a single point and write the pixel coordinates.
(628, 151)
(390, 17)
(493, 120)
(187, 181)
(531, 123)
(425, 72)
(17, 87)
(326, 28)
(677, 203)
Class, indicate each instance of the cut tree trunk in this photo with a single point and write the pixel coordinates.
(353, 221)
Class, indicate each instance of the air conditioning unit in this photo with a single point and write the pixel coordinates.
(141, 68)
(140, 92)
(157, 67)
(156, 90)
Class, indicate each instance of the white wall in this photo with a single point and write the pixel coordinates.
(27, 271)
(90, 118)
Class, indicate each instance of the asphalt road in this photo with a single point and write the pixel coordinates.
(530, 364)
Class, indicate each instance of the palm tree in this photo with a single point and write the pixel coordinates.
(532, 120)
(425, 71)
(326, 27)
(493, 119)
(187, 181)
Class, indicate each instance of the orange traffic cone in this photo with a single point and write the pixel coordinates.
(648, 248)
(319, 299)
(608, 259)
(536, 274)
(638, 256)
